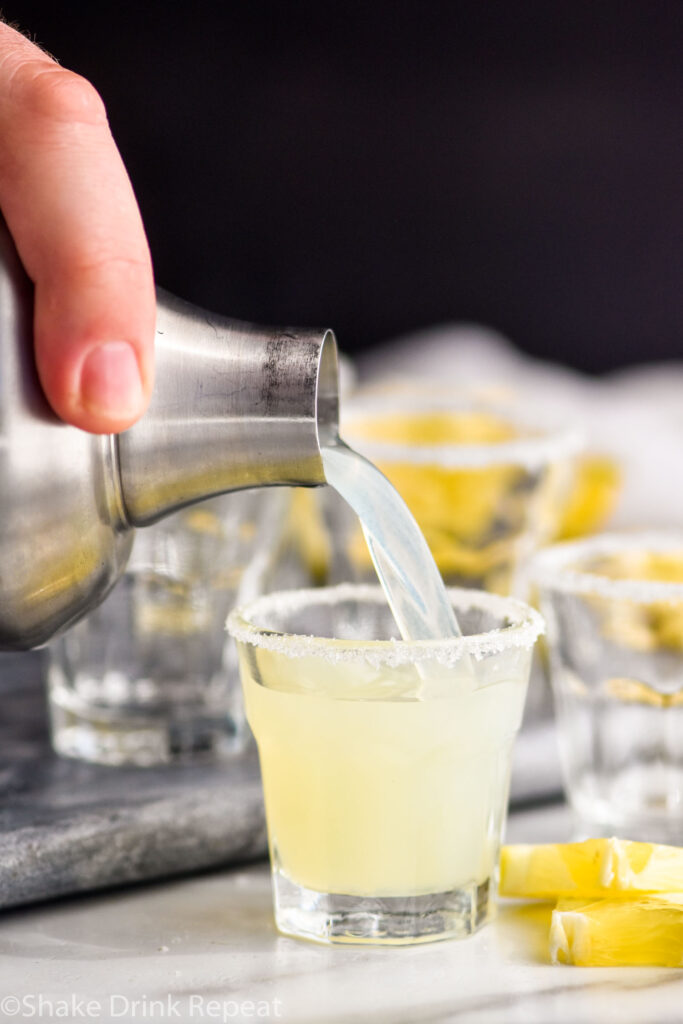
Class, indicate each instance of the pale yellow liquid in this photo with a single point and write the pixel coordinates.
(372, 792)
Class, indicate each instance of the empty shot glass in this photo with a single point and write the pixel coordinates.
(385, 764)
(614, 608)
(149, 677)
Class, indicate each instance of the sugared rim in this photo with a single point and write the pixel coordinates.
(525, 626)
(545, 443)
(554, 567)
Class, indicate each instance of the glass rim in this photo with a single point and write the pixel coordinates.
(552, 568)
(524, 628)
(552, 442)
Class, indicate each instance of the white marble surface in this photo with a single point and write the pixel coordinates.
(206, 949)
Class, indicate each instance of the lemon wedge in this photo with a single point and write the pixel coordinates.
(593, 496)
(308, 533)
(434, 428)
(642, 932)
(592, 869)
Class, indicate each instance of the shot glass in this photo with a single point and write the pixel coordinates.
(148, 678)
(385, 764)
(614, 608)
(486, 484)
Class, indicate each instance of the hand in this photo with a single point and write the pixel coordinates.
(70, 208)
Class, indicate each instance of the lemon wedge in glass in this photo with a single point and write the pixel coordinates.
(592, 869)
(647, 931)
(593, 496)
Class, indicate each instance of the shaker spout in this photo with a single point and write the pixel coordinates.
(234, 406)
(327, 393)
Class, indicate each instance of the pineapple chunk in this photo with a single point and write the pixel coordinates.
(594, 868)
(647, 931)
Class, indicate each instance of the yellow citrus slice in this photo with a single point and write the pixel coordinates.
(647, 931)
(594, 493)
(434, 428)
(594, 868)
(309, 535)
(651, 625)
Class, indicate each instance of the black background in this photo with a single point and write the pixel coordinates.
(383, 166)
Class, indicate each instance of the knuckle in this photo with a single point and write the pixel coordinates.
(101, 269)
(58, 94)
(102, 261)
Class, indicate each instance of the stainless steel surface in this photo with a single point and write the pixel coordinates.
(234, 406)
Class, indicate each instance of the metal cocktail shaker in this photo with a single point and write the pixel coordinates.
(234, 406)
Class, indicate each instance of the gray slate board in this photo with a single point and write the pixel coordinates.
(68, 827)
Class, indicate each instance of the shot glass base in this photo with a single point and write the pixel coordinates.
(389, 920)
(142, 741)
(642, 802)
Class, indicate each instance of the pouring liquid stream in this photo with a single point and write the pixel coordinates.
(405, 566)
